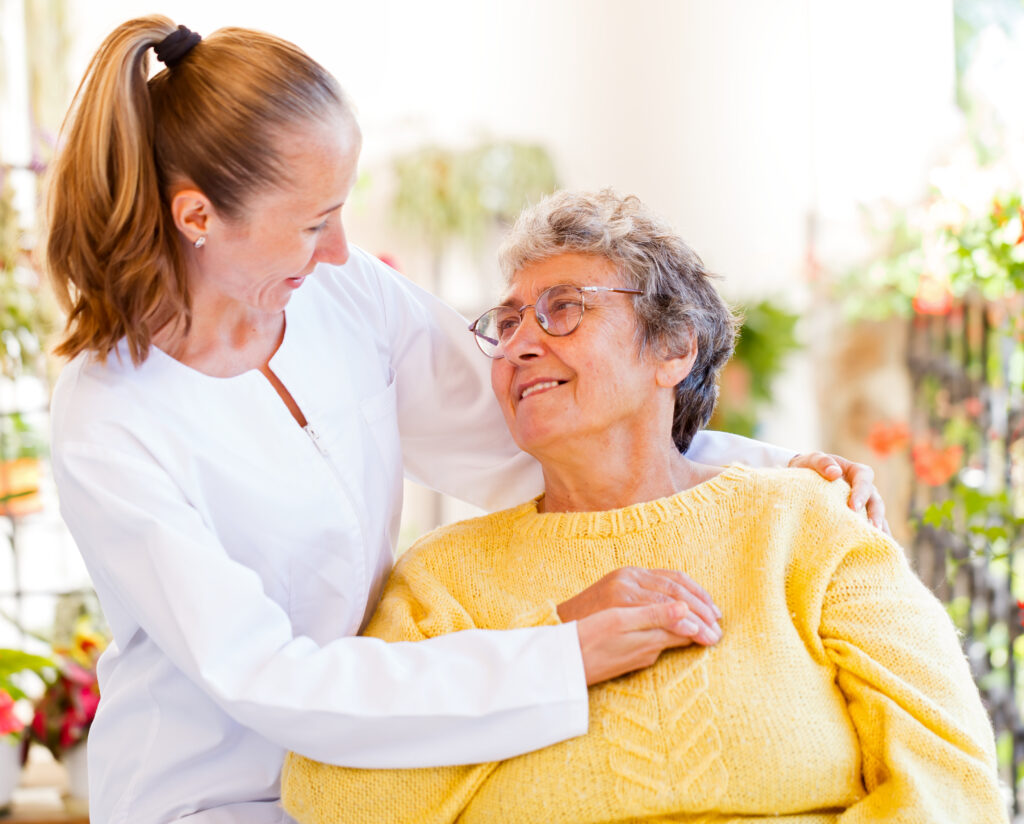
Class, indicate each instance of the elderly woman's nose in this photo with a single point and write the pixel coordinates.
(527, 340)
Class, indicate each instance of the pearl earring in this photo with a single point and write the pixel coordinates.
(200, 242)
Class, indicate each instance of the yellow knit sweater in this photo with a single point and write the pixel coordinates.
(837, 694)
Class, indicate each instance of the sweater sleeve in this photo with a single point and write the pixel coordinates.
(927, 745)
(415, 606)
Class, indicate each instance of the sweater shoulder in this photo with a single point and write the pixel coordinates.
(475, 537)
(802, 489)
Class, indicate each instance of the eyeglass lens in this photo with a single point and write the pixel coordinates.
(558, 310)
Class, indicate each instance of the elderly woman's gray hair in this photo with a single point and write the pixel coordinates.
(679, 305)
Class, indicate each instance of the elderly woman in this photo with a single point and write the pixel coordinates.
(838, 692)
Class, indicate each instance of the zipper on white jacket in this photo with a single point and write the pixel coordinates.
(315, 438)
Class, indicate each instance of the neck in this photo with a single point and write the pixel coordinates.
(225, 338)
(596, 478)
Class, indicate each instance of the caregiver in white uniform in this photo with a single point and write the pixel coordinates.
(243, 394)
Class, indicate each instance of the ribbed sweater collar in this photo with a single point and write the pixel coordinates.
(528, 522)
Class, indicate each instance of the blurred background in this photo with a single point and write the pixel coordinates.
(852, 171)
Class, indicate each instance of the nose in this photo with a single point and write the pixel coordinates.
(527, 340)
(333, 244)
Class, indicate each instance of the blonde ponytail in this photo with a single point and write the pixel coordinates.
(113, 253)
(113, 258)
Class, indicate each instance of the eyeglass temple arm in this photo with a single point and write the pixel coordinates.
(475, 331)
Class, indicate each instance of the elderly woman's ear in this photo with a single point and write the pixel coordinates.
(672, 371)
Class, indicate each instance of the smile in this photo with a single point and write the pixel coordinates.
(539, 387)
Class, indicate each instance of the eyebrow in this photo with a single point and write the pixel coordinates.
(330, 209)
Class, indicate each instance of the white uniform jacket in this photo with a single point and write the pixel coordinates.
(235, 554)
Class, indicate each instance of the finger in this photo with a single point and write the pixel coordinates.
(686, 581)
(678, 619)
(875, 509)
(672, 584)
(828, 466)
(861, 479)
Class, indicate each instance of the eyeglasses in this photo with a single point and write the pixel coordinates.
(558, 310)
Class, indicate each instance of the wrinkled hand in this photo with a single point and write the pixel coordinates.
(860, 477)
(624, 639)
(635, 586)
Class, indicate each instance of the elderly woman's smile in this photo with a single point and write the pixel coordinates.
(593, 383)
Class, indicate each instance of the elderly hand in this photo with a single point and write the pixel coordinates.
(860, 477)
(635, 586)
(620, 640)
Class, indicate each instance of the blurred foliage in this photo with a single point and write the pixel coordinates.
(767, 338)
(940, 252)
(14, 663)
(444, 194)
(24, 320)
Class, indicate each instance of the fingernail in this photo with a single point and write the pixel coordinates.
(718, 612)
(834, 471)
(688, 626)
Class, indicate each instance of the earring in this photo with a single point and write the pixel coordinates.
(200, 242)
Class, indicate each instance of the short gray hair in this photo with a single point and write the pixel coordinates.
(679, 301)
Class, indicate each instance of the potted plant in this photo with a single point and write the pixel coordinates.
(23, 323)
(15, 665)
(66, 709)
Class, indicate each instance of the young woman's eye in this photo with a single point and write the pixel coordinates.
(318, 228)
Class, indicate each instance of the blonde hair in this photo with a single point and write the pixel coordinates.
(113, 253)
(678, 307)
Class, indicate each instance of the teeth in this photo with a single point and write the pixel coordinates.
(537, 387)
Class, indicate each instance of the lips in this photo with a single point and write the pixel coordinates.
(538, 386)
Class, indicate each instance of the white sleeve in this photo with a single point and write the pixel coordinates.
(355, 701)
(724, 448)
(454, 437)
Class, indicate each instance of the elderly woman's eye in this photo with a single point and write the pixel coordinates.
(507, 325)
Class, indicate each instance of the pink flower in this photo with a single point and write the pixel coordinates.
(9, 722)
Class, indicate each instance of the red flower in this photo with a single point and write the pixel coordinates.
(9, 722)
(973, 407)
(935, 466)
(1020, 238)
(888, 437)
(933, 297)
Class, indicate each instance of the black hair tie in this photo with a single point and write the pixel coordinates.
(172, 49)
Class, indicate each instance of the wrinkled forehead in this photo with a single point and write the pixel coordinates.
(529, 281)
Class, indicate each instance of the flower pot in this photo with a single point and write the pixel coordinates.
(10, 769)
(75, 761)
(19, 486)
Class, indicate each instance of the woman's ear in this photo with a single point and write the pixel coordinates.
(672, 371)
(192, 211)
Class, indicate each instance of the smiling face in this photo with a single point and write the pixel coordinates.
(588, 391)
(259, 260)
